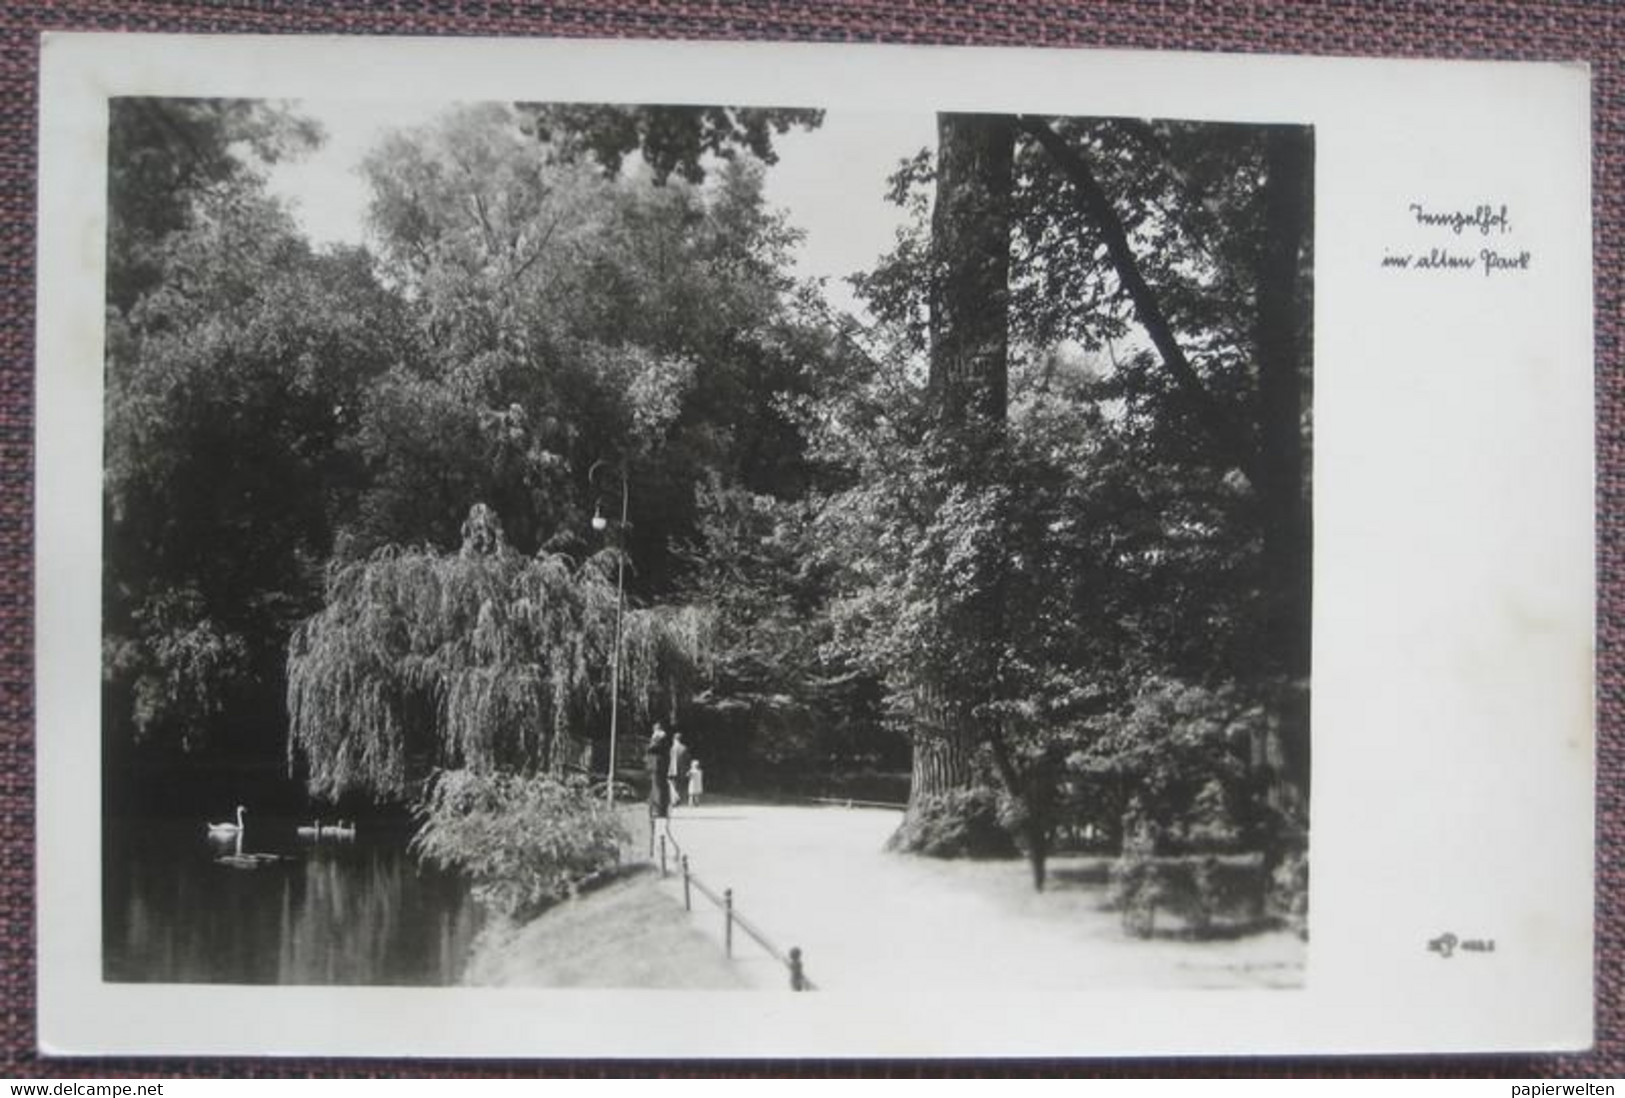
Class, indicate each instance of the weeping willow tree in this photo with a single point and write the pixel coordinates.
(485, 660)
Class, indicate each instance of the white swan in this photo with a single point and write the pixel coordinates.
(227, 830)
(340, 830)
(311, 832)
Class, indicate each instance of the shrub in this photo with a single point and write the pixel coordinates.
(1210, 825)
(962, 823)
(1202, 892)
(525, 841)
(1175, 760)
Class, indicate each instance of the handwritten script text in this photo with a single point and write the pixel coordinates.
(1484, 220)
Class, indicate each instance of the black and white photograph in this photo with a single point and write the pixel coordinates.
(921, 554)
(525, 532)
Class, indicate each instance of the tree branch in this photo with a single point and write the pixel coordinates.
(1098, 208)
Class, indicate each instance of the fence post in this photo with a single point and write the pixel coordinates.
(798, 980)
(688, 902)
(662, 855)
(728, 920)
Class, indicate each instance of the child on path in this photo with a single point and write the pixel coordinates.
(696, 782)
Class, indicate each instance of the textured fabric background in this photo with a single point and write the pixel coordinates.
(1506, 29)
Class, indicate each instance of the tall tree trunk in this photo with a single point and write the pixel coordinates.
(944, 748)
(969, 382)
(1283, 339)
(970, 239)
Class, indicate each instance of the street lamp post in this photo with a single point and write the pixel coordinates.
(600, 524)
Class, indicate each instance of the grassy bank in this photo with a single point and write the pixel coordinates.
(627, 933)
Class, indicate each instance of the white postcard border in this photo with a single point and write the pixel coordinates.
(1454, 576)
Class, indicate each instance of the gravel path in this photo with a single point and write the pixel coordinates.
(818, 878)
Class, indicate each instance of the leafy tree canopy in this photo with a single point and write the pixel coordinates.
(166, 155)
(234, 356)
(563, 317)
(672, 139)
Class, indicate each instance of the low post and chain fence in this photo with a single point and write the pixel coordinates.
(731, 916)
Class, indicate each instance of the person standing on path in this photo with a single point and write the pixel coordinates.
(678, 772)
(696, 783)
(659, 755)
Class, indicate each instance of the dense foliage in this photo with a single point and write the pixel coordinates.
(232, 351)
(1036, 526)
(780, 682)
(287, 426)
(669, 138)
(1094, 492)
(525, 841)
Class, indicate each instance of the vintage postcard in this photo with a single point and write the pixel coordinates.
(612, 549)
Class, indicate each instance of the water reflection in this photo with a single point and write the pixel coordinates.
(178, 908)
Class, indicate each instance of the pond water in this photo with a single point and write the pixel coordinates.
(355, 911)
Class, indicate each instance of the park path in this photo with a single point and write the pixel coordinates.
(819, 878)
